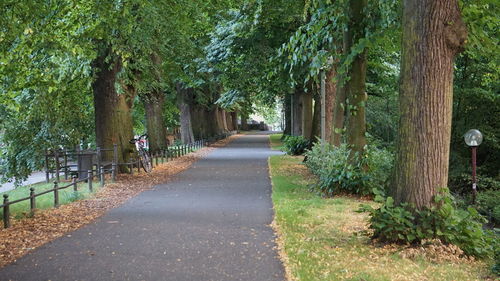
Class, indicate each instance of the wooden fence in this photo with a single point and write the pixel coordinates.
(160, 156)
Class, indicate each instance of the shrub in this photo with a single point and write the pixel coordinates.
(337, 173)
(404, 224)
(487, 204)
(296, 145)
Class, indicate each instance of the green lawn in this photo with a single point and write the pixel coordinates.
(45, 201)
(275, 141)
(323, 239)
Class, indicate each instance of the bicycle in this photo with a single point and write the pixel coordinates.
(143, 154)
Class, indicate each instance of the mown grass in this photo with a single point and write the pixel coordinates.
(275, 141)
(325, 239)
(45, 201)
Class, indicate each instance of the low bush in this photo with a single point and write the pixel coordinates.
(487, 204)
(296, 145)
(337, 172)
(443, 221)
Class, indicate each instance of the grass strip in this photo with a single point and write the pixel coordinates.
(326, 239)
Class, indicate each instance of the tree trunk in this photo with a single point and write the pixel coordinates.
(157, 133)
(185, 99)
(307, 115)
(355, 87)
(330, 91)
(316, 121)
(287, 103)
(297, 112)
(234, 119)
(113, 118)
(433, 33)
(338, 115)
(244, 124)
(224, 120)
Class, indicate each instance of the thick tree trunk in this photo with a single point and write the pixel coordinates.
(157, 132)
(433, 33)
(355, 87)
(244, 124)
(287, 104)
(234, 119)
(338, 115)
(307, 115)
(113, 119)
(330, 91)
(185, 100)
(224, 120)
(316, 121)
(229, 121)
(297, 112)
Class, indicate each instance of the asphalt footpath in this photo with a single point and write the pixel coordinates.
(210, 222)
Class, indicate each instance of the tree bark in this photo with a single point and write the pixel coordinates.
(330, 91)
(433, 33)
(224, 120)
(234, 119)
(316, 120)
(288, 114)
(355, 86)
(244, 124)
(307, 115)
(185, 99)
(338, 115)
(157, 133)
(297, 112)
(113, 118)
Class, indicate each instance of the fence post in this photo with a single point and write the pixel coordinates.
(131, 166)
(56, 153)
(99, 156)
(156, 158)
(101, 173)
(139, 163)
(75, 184)
(90, 178)
(6, 211)
(65, 151)
(32, 200)
(56, 194)
(113, 172)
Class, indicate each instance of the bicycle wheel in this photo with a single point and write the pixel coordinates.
(146, 161)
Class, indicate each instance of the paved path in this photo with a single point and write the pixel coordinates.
(36, 177)
(211, 222)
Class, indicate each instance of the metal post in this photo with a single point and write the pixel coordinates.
(101, 176)
(113, 171)
(32, 200)
(56, 194)
(323, 107)
(115, 160)
(474, 184)
(90, 178)
(6, 211)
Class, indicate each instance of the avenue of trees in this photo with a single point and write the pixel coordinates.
(409, 77)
